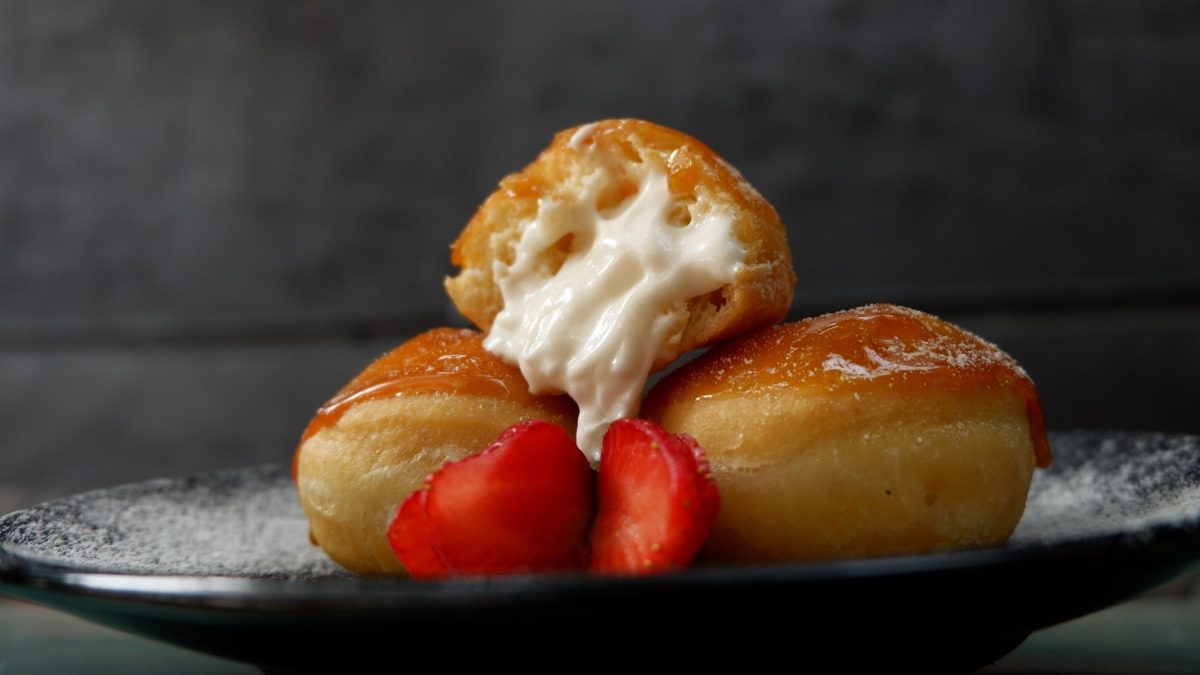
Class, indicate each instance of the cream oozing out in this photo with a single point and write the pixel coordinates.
(594, 327)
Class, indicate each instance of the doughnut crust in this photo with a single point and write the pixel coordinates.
(698, 180)
(870, 432)
(436, 398)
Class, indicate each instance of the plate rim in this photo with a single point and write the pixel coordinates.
(224, 592)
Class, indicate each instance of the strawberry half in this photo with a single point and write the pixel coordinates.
(522, 505)
(657, 501)
(411, 538)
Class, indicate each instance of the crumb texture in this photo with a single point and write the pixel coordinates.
(701, 183)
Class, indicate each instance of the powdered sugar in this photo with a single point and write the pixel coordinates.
(1113, 484)
(937, 349)
(871, 347)
(245, 523)
(248, 523)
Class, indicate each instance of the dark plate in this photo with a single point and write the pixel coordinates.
(222, 564)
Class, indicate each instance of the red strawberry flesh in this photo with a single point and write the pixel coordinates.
(522, 505)
(657, 501)
(411, 537)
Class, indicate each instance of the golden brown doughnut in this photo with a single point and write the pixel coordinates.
(874, 431)
(698, 180)
(436, 398)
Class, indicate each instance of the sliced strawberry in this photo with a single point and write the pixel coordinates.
(710, 498)
(522, 505)
(411, 537)
(657, 501)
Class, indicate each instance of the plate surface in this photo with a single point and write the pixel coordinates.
(221, 563)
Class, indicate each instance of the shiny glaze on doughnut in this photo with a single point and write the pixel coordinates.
(687, 172)
(873, 348)
(442, 360)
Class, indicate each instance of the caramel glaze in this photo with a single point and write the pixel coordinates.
(687, 171)
(442, 360)
(872, 348)
(691, 167)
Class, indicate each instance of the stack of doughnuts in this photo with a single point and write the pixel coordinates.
(876, 431)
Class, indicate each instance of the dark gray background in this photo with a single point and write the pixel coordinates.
(214, 213)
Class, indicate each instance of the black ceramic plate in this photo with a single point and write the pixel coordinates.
(222, 564)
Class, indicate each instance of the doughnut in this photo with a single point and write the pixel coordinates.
(438, 397)
(625, 244)
(868, 432)
(624, 150)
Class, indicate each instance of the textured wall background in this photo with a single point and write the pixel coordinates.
(213, 213)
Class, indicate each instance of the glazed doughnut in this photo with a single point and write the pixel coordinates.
(623, 150)
(623, 245)
(438, 397)
(870, 432)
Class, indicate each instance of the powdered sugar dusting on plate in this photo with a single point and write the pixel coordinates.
(243, 523)
(248, 522)
(1113, 484)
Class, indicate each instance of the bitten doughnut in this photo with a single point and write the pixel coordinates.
(869, 432)
(438, 397)
(622, 246)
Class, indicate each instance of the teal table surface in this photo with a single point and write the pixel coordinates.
(1159, 634)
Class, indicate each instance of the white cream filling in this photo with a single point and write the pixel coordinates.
(594, 328)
